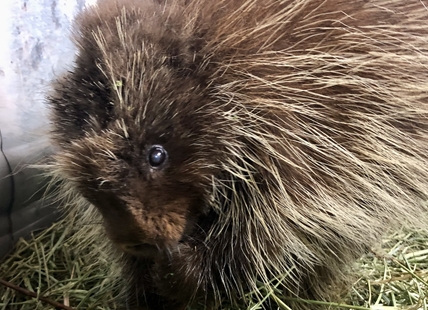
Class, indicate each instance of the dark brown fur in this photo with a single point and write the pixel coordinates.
(296, 132)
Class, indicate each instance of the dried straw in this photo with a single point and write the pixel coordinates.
(54, 266)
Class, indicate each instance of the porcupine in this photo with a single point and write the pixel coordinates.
(233, 141)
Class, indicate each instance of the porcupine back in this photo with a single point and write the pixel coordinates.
(311, 117)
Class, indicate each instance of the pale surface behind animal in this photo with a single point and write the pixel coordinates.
(229, 142)
(33, 52)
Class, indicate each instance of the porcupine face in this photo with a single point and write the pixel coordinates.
(131, 134)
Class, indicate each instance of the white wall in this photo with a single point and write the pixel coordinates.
(34, 47)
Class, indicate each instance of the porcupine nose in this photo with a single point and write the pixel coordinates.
(123, 229)
(140, 249)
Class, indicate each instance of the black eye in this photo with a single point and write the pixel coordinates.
(157, 156)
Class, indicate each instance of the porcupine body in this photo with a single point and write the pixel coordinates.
(232, 141)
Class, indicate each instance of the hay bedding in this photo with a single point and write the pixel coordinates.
(64, 265)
